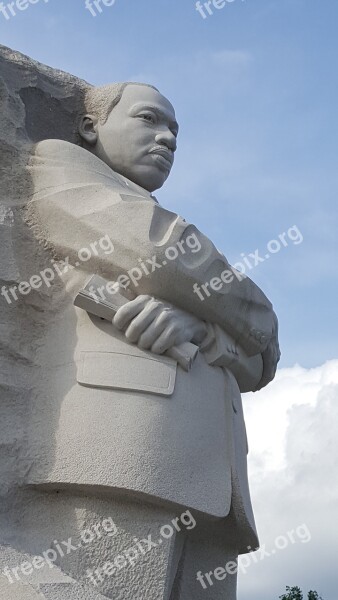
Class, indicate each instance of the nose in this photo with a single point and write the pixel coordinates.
(166, 138)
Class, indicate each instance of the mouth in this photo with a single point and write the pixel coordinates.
(163, 156)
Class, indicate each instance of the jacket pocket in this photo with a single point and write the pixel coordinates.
(133, 371)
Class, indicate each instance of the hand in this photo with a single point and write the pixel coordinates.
(158, 326)
(271, 358)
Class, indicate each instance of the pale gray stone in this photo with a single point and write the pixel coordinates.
(95, 423)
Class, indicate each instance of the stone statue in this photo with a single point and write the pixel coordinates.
(138, 463)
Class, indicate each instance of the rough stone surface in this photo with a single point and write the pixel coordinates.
(36, 102)
(86, 434)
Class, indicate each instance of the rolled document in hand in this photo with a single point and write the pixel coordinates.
(106, 305)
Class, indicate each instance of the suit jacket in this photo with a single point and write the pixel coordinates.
(129, 420)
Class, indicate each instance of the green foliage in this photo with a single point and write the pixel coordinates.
(295, 593)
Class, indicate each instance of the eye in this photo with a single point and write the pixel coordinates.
(149, 117)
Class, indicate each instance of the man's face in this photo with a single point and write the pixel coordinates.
(138, 139)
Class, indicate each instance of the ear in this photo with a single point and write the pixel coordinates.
(88, 129)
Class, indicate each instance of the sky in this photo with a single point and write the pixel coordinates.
(254, 86)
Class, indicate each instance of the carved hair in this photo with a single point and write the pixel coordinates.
(100, 101)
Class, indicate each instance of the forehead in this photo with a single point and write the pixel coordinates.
(137, 97)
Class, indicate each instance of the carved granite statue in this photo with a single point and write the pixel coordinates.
(114, 427)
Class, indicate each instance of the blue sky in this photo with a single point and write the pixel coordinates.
(255, 90)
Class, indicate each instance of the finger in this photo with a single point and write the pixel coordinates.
(166, 340)
(152, 333)
(129, 310)
(142, 321)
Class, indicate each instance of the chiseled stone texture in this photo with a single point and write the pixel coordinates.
(30, 94)
(62, 453)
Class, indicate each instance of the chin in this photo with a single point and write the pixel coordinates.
(156, 186)
(151, 184)
(148, 179)
(158, 181)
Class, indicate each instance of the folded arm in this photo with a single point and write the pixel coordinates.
(251, 372)
(158, 326)
(146, 237)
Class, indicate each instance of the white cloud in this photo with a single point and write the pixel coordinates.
(293, 464)
(269, 411)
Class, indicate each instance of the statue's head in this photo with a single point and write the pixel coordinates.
(133, 129)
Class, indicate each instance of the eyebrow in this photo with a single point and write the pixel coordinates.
(158, 111)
